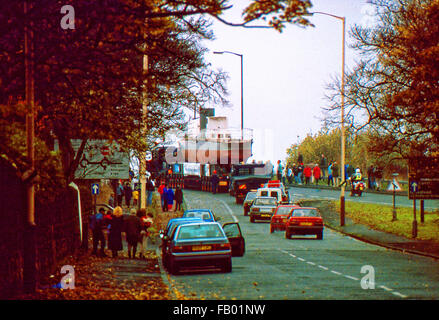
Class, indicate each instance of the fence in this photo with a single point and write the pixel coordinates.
(57, 231)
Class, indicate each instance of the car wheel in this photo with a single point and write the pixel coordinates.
(252, 219)
(320, 235)
(227, 267)
(287, 235)
(271, 229)
(172, 267)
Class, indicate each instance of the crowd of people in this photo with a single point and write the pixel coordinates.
(108, 226)
(324, 171)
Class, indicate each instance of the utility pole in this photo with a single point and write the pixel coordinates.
(29, 256)
(142, 169)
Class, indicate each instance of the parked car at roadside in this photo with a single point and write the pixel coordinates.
(200, 244)
(205, 214)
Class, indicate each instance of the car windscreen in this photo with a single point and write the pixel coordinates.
(250, 196)
(200, 231)
(283, 210)
(265, 202)
(306, 213)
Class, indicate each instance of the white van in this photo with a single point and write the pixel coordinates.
(275, 193)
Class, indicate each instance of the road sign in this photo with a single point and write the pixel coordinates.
(424, 178)
(95, 188)
(101, 159)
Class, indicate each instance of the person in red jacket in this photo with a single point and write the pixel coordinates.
(316, 172)
(307, 172)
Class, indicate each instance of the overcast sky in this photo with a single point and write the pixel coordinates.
(285, 74)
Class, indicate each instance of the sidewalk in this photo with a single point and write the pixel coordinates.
(364, 233)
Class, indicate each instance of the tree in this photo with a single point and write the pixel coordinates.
(394, 90)
(89, 80)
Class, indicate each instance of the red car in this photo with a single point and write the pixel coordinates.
(279, 219)
(304, 220)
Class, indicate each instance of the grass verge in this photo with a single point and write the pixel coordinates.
(379, 217)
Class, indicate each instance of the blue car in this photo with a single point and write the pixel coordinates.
(204, 214)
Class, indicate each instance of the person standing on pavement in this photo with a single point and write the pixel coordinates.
(160, 191)
(119, 194)
(330, 180)
(370, 177)
(316, 173)
(214, 180)
(111, 201)
(150, 188)
(296, 173)
(97, 225)
(323, 165)
(178, 198)
(128, 192)
(335, 173)
(165, 198)
(289, 175)
(146, 222)
(300, 173)
(115, 234)
(170, 198)
(279, 170)
(132, 227)
(307, 172)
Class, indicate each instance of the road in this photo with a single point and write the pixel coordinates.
(275, 268)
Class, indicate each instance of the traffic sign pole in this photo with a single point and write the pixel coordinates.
(415, 223)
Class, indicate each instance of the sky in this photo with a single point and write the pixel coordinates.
(285, 74)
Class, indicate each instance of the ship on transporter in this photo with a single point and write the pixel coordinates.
(209, 145)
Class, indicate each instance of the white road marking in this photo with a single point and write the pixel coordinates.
(344, 275)
(235, 219)
(385, 288)
(399, 294)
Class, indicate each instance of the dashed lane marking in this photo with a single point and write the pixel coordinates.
(341, 274)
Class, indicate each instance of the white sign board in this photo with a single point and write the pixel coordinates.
(101, 160)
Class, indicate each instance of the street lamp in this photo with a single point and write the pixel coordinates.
(343, 178)
(242, 86)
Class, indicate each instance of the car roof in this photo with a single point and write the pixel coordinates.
(201, 223)
(306, 208)
(181, 220)
(197, 210)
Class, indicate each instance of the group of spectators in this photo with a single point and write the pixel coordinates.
(168, 196)
(107, 228)
(323, 170)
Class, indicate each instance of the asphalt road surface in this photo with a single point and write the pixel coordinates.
(275, 268)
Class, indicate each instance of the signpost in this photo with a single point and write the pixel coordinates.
(423, 183)
(94, 192)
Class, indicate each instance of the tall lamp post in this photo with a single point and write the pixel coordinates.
(242, 86)
(343, 178)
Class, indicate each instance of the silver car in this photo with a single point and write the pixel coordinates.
(200, 244)
(263, 208)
